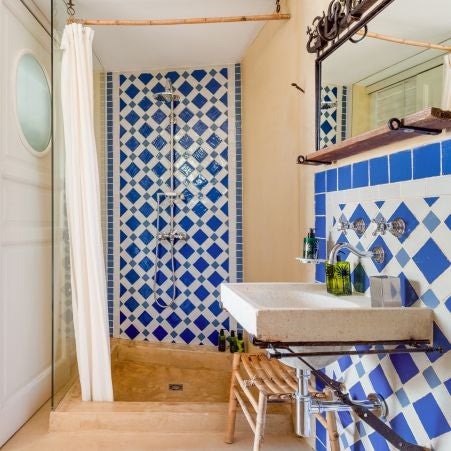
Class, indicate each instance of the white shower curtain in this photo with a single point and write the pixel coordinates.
(89, 300)
(446, 102)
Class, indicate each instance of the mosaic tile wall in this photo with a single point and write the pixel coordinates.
(416, 186)
(333, 115)
(207, 173)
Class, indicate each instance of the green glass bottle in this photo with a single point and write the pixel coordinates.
(222, 341)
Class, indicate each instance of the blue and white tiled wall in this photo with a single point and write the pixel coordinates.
(416, 186)
(207, 172)
(334, 114)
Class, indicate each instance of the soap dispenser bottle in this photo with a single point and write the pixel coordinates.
(310, 246)
(338, 278)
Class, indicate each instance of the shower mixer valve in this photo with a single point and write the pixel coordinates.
(172, 236)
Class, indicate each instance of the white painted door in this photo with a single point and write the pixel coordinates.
(25, 235)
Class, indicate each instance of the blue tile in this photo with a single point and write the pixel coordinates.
(360, 174)
(345, 177)
(430, 299)
(345, 362)
(357, 392)
(431, 416)
(379, 171)
(431, 222)
(380, 382)
(431, 261)
(322, 248)
(439, 339)
(378, 442)
(401, 427)
(426, 161)
(448, 304)
(345, 419)
(408, 217)
(331, 180)
(401, 166)
(320, 226)
(402, 397)
(446, 157)
(357, 446)
(321, 432)
(360, 369)
(319, 446)
(408, 293)
(320, 274)
(320, 204)
(405, 366)
(360, 213)
(431, 377)
(379, 242)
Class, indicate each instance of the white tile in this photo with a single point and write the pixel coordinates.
(437, 186)
(367, 193)
(390, 191)
(413, 188)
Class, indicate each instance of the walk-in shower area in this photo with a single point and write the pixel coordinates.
(170, 178)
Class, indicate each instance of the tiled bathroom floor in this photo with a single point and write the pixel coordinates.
(34, 436)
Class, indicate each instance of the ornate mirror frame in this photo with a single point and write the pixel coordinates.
(331, 30)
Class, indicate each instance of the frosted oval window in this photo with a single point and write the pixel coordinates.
(33, 103)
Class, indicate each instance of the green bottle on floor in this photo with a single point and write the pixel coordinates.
(232, 342)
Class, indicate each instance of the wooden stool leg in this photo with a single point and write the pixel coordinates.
(260, 423)
(233, 403)
(334, 438)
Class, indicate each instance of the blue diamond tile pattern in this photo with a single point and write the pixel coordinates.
(431, 261)
(202, 173)
(417, 387)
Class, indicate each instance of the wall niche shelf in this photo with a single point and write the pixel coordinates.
(433, 119)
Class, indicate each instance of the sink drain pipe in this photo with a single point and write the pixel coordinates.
(306, 406)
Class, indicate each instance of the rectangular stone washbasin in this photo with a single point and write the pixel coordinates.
(306, 312)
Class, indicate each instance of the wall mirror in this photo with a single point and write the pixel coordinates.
(363, 81)
(33, 104)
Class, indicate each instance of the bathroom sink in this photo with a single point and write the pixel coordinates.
(306, 312)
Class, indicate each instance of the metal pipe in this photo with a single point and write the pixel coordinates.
(319, 407)
(303, 420)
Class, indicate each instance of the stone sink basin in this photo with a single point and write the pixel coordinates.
(306, 312)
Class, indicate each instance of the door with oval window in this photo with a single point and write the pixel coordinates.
(25, 217)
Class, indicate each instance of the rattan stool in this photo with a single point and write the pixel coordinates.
(275, 382)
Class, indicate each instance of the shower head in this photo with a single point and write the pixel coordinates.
(168, 94)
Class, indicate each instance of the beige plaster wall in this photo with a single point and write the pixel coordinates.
(278, 125)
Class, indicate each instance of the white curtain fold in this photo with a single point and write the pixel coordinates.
(446, 100)
(89, 299)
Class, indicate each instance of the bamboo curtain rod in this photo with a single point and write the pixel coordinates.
(194, 21)
(426, 45)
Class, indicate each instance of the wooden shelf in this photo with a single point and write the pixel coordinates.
(433, 118)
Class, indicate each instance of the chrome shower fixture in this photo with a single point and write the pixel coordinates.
(171, 235)
(397, 227)
(168, 95)
(358, 226)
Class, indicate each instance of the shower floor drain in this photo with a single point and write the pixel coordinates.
(176, 387)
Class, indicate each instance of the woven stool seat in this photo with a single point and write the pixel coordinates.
(275, 382)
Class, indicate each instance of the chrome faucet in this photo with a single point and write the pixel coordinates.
(377, 254)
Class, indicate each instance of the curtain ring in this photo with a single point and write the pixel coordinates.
(365, 32)
(278, 6)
